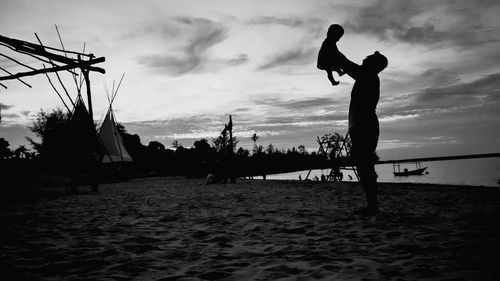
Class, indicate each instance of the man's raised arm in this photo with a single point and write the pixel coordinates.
(349, 67)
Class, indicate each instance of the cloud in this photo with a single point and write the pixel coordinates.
(298, 56)
(306, 104)
(237, 60)
(216, 64)
(191, 56)
(466, 113)
(313, 26)
(427, 22)
(305, 29)
(282, 114)
(445, 95)
(439, 77)
(196, 126)
(5, 106)
(164, 29)
(273, 127)
(478, 92)
(391, 118)
(198, 35)
(292, 21)
(10, 116)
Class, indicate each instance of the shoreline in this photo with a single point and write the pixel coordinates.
(382, 183)
(61, 188)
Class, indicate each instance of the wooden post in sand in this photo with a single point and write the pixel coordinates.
(231, 151)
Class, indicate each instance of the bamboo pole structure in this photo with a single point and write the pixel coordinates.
(82, 64)
(60, 60)
(38, 51)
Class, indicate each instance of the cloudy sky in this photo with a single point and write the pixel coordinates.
(190, 64)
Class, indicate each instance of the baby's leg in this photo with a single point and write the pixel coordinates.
(339, 71)
(332, 80)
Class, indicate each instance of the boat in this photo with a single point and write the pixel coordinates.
(419, 170)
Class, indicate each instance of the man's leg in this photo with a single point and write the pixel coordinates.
(368, 179)
(364, 143)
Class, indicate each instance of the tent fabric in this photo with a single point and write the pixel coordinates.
(82, 131)
(112, 141)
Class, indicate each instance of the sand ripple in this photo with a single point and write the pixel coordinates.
(164, 229)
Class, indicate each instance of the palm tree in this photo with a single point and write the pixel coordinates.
(254, 138)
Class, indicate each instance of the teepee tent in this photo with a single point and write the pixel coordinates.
(110, 136)
(83, 134)
(112, 141)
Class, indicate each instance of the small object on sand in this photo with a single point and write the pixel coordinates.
(211, 179)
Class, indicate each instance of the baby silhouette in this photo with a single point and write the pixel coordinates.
(328, 48)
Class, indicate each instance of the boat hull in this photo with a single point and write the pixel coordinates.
(411, 173)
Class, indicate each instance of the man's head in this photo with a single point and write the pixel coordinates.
(376, 62)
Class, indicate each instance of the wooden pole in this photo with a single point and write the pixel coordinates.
(89, 95)
(16, 78)
(31, 48)
(93, 169)
(230, 125)
(231, 150)
(53, 69)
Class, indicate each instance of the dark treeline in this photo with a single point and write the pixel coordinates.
(61, 151)
(209, 157)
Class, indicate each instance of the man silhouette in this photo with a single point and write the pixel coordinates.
(363, 121)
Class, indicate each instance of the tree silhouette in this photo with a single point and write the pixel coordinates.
(302, 149)
(4, 149)
(241, 152)
(21, 152)
(222, 143)
(258, 149)
(53, 130)
(121, 129)
(202, 147)
(270, 149)
(155, 146)
(176, 144)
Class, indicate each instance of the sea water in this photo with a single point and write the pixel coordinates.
(473, 172)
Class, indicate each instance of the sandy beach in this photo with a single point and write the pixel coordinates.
(181, 229)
